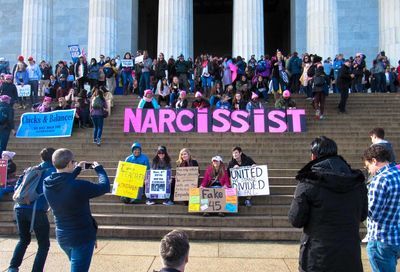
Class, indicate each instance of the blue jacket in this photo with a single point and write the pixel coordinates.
(34, 72)
(42, 204)
(21, 77)
(141, 159)
(69, 199)
(294, 65)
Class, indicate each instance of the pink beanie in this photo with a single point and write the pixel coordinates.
(5, 98)
(198, 94)
(286, 94)
(8, 77)
(254, 95)
(146, 92)
(182, 94)
(47, 99)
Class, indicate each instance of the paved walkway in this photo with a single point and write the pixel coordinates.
(142, 256)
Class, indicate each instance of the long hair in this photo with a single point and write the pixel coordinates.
(157, 160)
(220, 172)
(180, 162)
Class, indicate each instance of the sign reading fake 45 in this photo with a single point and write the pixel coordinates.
(250, 180)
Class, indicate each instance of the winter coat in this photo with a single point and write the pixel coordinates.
(11, 90)
(245, 161)
(69, 198)
(141, 159)
(209, 178)
(329, 203)
(161, 67)
(8, 111)
(344, 79)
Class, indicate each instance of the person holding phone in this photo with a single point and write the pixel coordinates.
(69, 199)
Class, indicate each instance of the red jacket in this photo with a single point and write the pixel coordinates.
(208, 177)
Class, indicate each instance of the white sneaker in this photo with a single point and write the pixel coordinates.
(317, 112)
(365, 240)
(150, 202)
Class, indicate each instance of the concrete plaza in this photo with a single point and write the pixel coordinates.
(143, 256)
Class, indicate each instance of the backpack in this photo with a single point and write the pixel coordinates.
(3, 115)
(26, 192)
(97, 103)
(319, 81)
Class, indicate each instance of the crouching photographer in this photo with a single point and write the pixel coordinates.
(69, 199)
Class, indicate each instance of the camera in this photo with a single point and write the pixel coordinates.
(88, 165)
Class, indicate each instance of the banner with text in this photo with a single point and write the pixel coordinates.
(185, 178)
(158, 184)
(24, 91)
(220, 121)
(129, 180)
(127, 63)
(75, 52)
(213, 200)
(46, 124)
(3, 173)
(250, 180)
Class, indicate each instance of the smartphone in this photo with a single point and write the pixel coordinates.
(88, 165)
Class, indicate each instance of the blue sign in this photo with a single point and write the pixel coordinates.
(46, 124)
(74, 51)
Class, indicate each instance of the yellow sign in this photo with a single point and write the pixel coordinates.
(129, 179)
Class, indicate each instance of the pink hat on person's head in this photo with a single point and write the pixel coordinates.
(9, 154)
(47, 99)
(5, 98)
(8, 77)
(147, 92)
(286, 94)
(182, 93)
(254, 95)
(198, 94)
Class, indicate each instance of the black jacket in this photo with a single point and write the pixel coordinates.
(329, 203)
(7, 110)
(11, 90)
(160, 69)
(344, 79)
(246, 161)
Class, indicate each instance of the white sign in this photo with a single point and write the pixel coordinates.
(24, 91)
(139, 59)
(127, 63)
(158, 182)
(250, 180)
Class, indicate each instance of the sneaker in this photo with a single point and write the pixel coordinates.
(150, 202)
(98, 142)
(247, 203)
(321, 117)
(206, 214)
(20, 107)
(95, 141)
(365, 240)
(308, 98)
(168, 203)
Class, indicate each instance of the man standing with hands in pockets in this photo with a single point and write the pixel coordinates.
(69, 199)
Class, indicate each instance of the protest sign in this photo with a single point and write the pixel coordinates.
(74, 51)
(185, 178)
(139, 59)
(3, 173)
(46, 124)
(129, 180)
(24, 91)
(219, 120)
(158, 184)
(250, 180)
(127, 63)
(213, 200)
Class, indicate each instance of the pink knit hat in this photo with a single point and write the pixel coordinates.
(5, 98)
(182, 94)
(286, 94)
(254, 95)
(147, 92)
(8, 77)
(198, 94)
(47, 99)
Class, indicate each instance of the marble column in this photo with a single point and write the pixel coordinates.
(175, 28)
(248, 28)
(322, 28)
(37, 29)
(389, 29)
(102, 34)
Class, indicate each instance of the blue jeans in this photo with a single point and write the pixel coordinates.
(41, 228)
(382, 257)
(4, 137)
(172, 97)
(206, 82)
(144, 83)
(214, 100)
(97, 126)
(80, 256)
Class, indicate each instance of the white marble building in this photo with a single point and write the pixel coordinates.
(45, 28)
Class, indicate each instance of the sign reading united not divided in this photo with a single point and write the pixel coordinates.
(46, 124)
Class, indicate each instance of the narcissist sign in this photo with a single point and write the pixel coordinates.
(220, 120)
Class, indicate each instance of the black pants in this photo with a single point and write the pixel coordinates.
(344, 94)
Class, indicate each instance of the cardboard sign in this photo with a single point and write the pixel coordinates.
(127, 63)
(46, 124)
(3, 173)
(219, 120)
(185, 178)
(213, 200)
(138, 59)
(158, 184)
(250, 180)
(24, 91)
(74, 51)
(129, 180)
